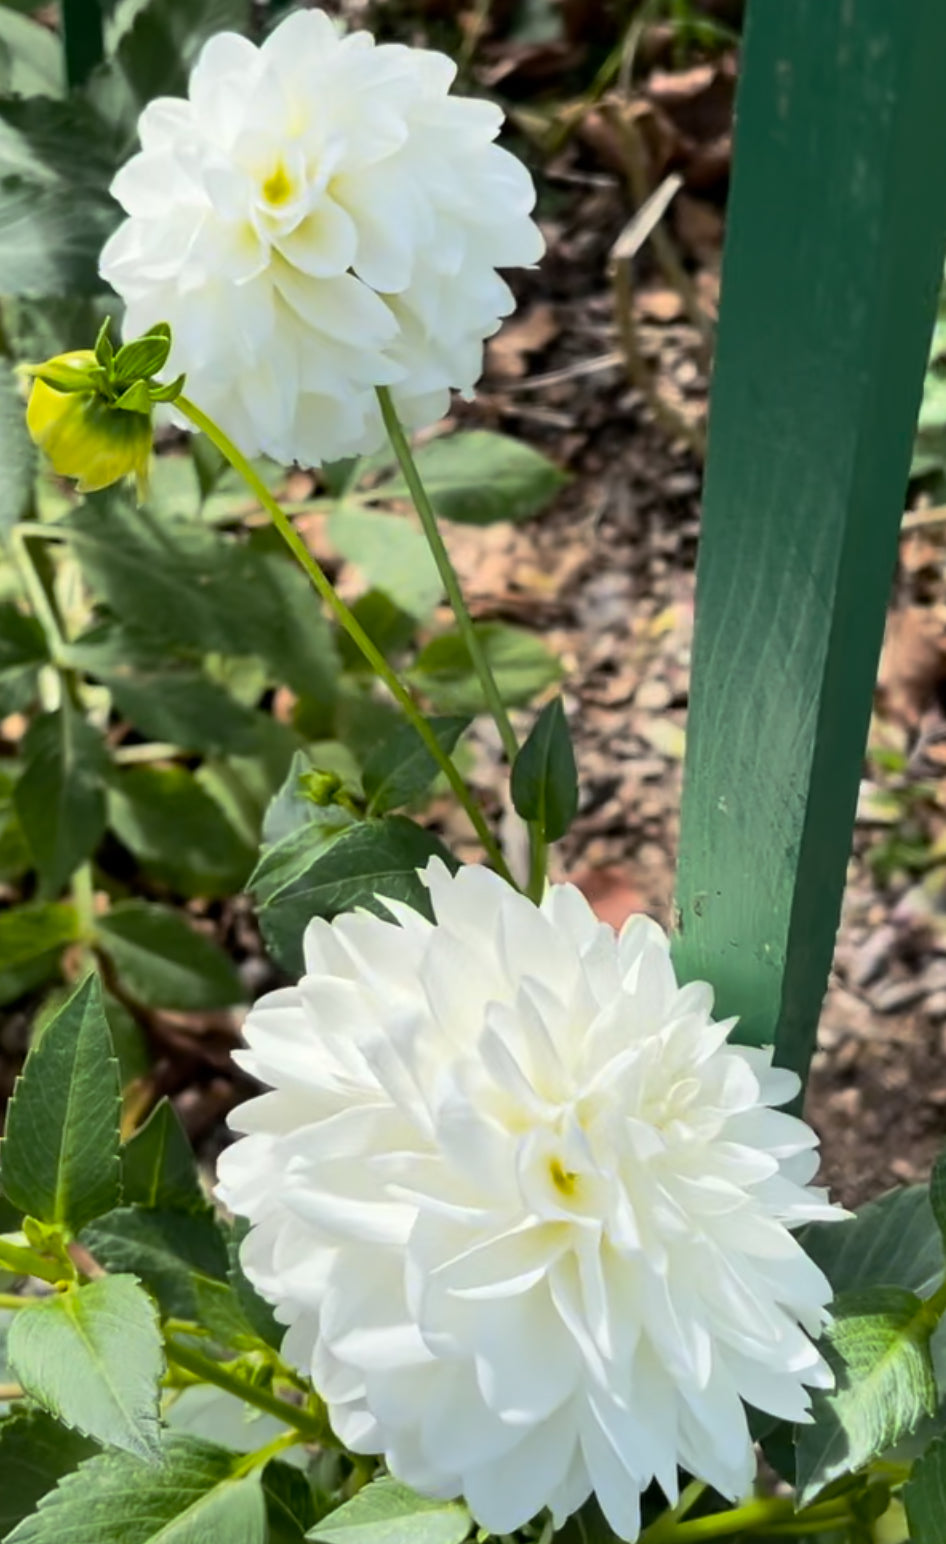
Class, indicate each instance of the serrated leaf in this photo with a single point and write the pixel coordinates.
(178, 833)
(35, 1453)
(392, 555)
(878, 1346)
(257, 1312)
(183, 708)
(158, 1165)
(892, 1241)
(544, 783)
(92, 1357)
(290, 1505)
(59, 1155)
(180, 1257)
(164, 962)
(371, 860)
(924, 1496)
(33, 930)
(17, 453)
(292, 808)
(387, 1512)
(520, 662)
(60, 797)
(401, 768)
(478, 477)
(195, 1495)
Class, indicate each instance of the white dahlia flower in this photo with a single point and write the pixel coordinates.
(525, 1211)
(319, 218)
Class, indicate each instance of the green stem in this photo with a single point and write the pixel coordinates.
(934, 1307)
(347, 620)
(10, 1300)
(311, 1428)
(766, 1515)
(471, 638)
(448, 574)
(20, 1261)
(261, 1456)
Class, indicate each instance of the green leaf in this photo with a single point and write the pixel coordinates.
(544, 782)
(92, 1357)
(370, 861)
(292, 808)
(288, 859)
(386, 1512)
(257, 1312)
(181, 1257)
(478, 477)
(143, 357)
(520, 661)
(60, 797)
(35, 1453)
(290, 1505)
(38, 928)
(389, 628)
(195, 1495)
(392, 555)
(17, 454)
(878, 1345)
(55, 209)
(924, 1496)
(155, 55)
(59, 1154)
(164, 962)
(158, 1165)
(30, 58)
(22, 641)
(178, 833)
(938, 1194)
(401, 768)
(184, 708)
(892, 1242)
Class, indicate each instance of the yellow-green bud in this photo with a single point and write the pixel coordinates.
(83, 435)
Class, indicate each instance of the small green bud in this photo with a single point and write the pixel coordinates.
(320, 788)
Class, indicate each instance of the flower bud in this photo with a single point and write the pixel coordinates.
(90, 410)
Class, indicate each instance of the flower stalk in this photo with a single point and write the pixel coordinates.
(347, 620)
(306, 1425)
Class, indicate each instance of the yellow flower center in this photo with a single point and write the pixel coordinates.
(278, 188)
(564, 1181)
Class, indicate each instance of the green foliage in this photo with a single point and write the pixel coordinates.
(925, 1496)
(878, 1346)
(60, 798)
(158, 1167)
(544, 776)
(386, 1512)
(401, 769)
(92, 1357)
(163, 960)
(35, 1453)
(195, 1495)
(520, 662)
(478, 478)
(59, 1155)
(181, 1257)
(390, 554)
(17, 455)
(929, 451)
(31, 932)
(177, 831)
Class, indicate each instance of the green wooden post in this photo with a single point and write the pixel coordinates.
(834, 253)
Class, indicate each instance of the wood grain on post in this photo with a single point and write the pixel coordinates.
(834, 255)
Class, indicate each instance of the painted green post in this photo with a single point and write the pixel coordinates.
(834, 253)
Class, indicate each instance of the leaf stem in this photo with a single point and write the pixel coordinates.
(309, 1427)
(261, 1456)
(774, 1514)
(12, 1301)
(471, 638)
(21, 1261)
(347, 620)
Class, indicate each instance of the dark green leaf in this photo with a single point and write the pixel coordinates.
(479, 477)
(59, 1155)
(257, 1312)
(371, 860)
(289, 859)
(389, 628)
(892, 1242)
(938, 1194)
(194, 1496)
(521, 663)
(386, 1512)
(292, 808)
(142, 358)
(35, 1453)
(290, 1506)
(55, 209)
(184, 708)
(38, 928)
(392, 555)
(401, 768)
(22, 979)
(544, 782)
(22, 641)
(925, 1496)
(878, 1345)
(178, 833)
(92, 1357)
(17, 454)
(158, 1166)
(181, 1257)
(60, 798)
(165, 962)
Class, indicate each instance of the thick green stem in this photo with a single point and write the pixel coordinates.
(471, 638)
(346, 619)
(20, 1261)
(11, 1301)
(311, 1428)
(774, 1514)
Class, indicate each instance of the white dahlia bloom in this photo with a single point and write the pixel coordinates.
(319, 218)
(525, 1211)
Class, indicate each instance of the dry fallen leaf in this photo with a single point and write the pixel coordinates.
(912, 664)
(508, 352)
